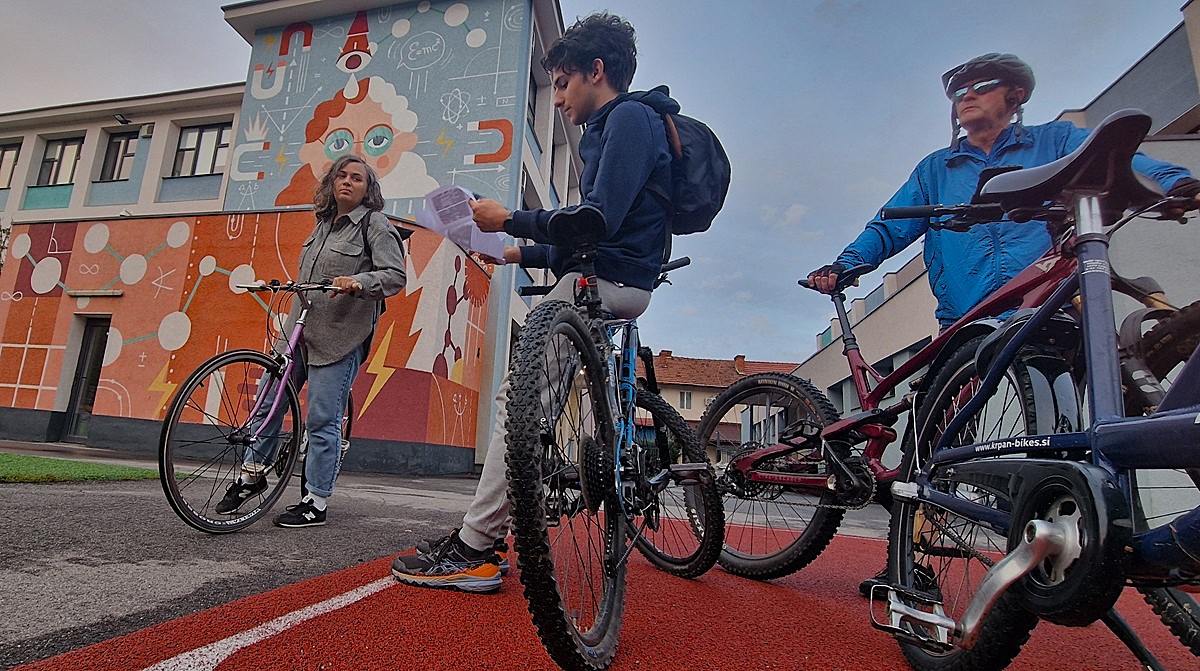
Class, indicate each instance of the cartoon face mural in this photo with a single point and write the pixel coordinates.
(429, 93)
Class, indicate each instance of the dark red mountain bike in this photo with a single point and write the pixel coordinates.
(798, 466)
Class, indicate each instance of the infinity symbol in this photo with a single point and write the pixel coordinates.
(93, 269)
(11, 295)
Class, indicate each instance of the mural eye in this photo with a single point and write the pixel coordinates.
(338, 143)
(378, 140)
(353, 61)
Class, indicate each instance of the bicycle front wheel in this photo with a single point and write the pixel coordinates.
(682, 526)
(208, 435)
(569, 528)
(770, 530)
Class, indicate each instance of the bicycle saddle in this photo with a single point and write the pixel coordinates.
(574, 227)
(1101, 164)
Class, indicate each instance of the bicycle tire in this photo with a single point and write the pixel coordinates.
(915, 526)
(567, 520)
(686, 535)
(1168, 344)
(202, 448)
(769, 532)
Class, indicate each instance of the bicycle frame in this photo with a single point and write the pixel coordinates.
(1030, 288)
(1165, 439)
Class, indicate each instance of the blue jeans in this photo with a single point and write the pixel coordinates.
(328, 391)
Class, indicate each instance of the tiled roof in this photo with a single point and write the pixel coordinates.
(718, 373)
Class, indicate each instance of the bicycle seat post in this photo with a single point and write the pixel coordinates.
(587, 293)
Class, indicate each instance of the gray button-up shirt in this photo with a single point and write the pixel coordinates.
(336, 325)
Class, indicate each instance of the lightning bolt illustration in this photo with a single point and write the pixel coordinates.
(167, 388)
(377, 367)
(443, 141)
(281, 159)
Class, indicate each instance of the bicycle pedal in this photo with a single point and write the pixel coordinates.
(928, 630)
(691, 474)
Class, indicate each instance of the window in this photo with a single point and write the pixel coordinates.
(685, 400)
(59, 161)
(118, 160)
(8, 161)
(202, 150)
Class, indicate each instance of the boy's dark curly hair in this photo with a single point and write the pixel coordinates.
(602, 35)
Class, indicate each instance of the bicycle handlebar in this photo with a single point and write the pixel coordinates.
(295, 287)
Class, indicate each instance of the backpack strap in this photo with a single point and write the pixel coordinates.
(672, 136)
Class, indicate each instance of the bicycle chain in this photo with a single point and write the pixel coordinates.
(833, 506)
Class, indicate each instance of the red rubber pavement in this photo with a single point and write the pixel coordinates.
(360, 619)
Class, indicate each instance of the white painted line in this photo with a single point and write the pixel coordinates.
(211, 655)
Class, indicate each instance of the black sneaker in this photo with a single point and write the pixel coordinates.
(452, 564)
(881, 578)
(430, 545)
(238, 493)
(303, 514)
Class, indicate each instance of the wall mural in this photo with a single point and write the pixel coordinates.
(178, 306)
(429, 93)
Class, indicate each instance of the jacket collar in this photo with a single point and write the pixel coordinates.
(1014, 135)
(356, 215)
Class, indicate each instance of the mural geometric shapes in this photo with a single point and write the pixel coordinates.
(235, 172)
(356, 52)
(424, 6)
(476, 38)
(401, 28)
(207, 265)
(112, 348)
(174, 331)
(177, 235)
(82, 302)
(96, 238)
(21, 245)
(46, 275)
(133, 269)
(243, 274)
(502, 126)
(456, 14)
(455, 105)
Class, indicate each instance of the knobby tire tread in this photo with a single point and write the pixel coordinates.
(534, 554)
(713, 524)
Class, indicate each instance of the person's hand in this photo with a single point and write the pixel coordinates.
(511, 255)
(345, 285)
(824, 279)
(489, 215)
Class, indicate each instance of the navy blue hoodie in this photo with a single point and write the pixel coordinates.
(624, 147)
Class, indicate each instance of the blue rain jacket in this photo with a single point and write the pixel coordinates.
(966, 267)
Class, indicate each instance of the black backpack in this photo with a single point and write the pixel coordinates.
(699, 174)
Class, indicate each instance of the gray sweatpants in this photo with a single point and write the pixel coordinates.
(487, 517)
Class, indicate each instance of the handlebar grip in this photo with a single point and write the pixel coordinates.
(914, 212)
(534, 290)
(676, 264)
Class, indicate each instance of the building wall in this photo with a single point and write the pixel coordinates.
(432, 93)
(1163, 83)
(175, 305)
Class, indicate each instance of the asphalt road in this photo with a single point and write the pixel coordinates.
(83, 563)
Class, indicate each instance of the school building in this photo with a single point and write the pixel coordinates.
(125, 224)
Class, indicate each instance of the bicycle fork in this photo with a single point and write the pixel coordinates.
(926, 624)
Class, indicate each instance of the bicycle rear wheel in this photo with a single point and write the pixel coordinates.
(770, 531)
(207, 433)
(682, 526)
(1165, 495)
(569, 529)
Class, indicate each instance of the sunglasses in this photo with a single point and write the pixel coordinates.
(979, 88)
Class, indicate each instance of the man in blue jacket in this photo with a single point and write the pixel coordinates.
(624, 151)
(986, 94)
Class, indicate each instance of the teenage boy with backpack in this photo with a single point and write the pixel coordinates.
(627, 163)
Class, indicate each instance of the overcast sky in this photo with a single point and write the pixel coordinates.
(824, 107)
